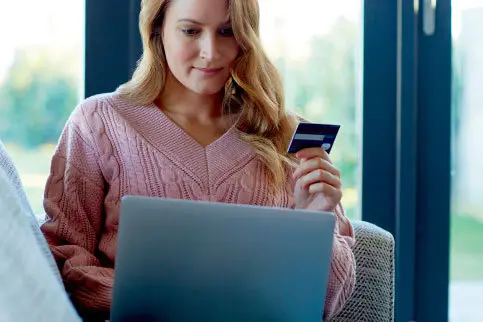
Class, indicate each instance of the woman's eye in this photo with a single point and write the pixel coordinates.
(189, 31)
(227, 32)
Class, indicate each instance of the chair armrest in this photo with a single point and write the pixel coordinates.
(373, 297)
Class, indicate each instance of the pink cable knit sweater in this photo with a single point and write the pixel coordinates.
(109, 149)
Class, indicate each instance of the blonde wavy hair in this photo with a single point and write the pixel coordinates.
(255, 90)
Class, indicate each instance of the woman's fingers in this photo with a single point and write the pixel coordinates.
(313, 164)
(310, 153)
(320, 176)
(329, 191)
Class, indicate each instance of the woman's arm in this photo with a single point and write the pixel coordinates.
(74, 198)
(342, 276)
(317, 186)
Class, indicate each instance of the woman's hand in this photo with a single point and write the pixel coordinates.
(318, 184)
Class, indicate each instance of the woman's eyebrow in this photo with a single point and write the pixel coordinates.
(228, 21)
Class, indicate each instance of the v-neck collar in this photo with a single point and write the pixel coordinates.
(182, 133)
(166, 136)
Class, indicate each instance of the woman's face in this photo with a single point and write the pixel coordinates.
(199, 45)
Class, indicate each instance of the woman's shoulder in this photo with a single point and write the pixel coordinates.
(90, 118)
(96, 111)
(92, 105)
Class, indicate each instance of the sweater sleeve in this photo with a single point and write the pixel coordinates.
(342, 275)
(73, 203)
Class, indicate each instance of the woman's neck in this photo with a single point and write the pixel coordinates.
(179, 100)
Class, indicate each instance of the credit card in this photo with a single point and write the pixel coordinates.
(311, 135)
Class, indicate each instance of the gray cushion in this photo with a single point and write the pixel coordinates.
(373, 298)
(6, 165)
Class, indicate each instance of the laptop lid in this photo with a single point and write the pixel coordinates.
(184, 261)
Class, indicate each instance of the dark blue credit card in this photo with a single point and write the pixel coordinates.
(311, 135)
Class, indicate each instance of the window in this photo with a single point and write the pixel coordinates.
(466, 268)
(318, 50)
(41, 81)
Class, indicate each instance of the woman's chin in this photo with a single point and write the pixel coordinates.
(207, 90)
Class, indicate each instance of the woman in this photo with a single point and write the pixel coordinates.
(202, 118)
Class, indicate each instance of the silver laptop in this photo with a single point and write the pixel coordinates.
(184, 261)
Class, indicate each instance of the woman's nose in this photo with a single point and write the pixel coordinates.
(209, 48)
